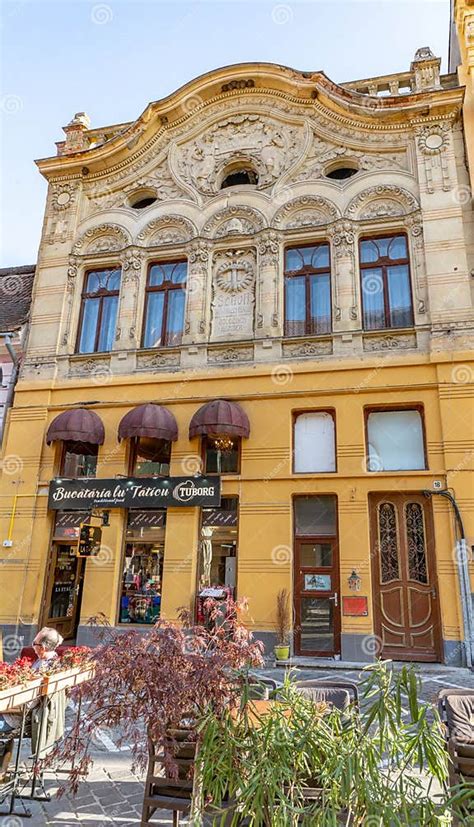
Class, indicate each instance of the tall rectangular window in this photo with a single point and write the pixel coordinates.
(314, 442)
(385, 279)
(307, 290)
(99, 308)
(164, 304)
(395, 441)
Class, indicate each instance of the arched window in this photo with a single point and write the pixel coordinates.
(99, 311)
(314, 442)
(385, 278)
(307, 290)
(164, 304)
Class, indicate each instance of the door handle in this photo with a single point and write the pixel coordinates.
(434, 594)
(334, 597)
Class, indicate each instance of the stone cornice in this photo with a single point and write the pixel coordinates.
(312, 92)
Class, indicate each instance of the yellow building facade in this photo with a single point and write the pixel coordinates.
(255, 298)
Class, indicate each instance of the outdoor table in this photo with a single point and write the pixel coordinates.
(13, 698)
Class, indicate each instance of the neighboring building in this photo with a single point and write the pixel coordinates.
(461, 58)
(16, 284)
(266, 277)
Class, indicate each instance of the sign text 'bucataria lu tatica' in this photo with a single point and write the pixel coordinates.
(134, 492)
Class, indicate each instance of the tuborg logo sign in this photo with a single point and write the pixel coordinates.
(134, 492)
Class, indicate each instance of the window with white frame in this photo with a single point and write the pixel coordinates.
(314, 442)
(395, 441)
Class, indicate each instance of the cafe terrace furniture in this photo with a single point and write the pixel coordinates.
(456, 710)
(39, 690)
(339, 694)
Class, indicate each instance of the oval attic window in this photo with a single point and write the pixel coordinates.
(143, 202)
(239, 176)
(341, 173)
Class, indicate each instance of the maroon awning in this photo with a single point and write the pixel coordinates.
(149, 420)
(77, 425)
(220, 417)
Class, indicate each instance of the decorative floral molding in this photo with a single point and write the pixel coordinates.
(389, 342)
(305, 211)
(234, 221)
(381, 201)
(102, 239)
(167, 229)
(230, 354)
(307, 349)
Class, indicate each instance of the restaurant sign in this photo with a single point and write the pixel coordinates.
(134, 492)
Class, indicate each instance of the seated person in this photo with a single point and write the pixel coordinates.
(45, 644)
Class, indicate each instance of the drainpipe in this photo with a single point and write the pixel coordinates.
(11, 385)
(462, 562)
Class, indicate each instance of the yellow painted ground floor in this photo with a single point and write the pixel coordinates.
(310, 502)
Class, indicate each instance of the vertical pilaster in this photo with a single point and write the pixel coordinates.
(196, 325)
(268, 299)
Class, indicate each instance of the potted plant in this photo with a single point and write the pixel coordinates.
(19, 684)
(282, 648)
(149, 682)
(302, 764)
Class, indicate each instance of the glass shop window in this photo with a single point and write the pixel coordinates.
(150, 457)
(218, 547)
(314, 442)
(142, 576)
(395, 441)
(221, 454)
(79, 459)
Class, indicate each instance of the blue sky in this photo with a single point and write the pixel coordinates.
(110, 59)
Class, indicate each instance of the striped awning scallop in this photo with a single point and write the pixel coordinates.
(150, 420)
(220, 417)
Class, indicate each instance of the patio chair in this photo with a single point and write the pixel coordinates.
(456, 710)
(339, 694)
(163, 792)
(261, 688)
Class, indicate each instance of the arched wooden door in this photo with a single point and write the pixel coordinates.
(406, 611)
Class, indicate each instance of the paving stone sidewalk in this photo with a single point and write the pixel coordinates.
(112, 794)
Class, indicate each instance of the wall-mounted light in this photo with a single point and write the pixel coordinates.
(354, 580)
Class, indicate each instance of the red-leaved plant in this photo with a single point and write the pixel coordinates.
(17, 673)
(149, 681)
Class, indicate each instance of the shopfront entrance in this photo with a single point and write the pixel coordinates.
(63, 594)
(406, 606)
(316, 577)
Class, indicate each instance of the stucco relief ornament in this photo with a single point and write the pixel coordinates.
(167, 229)
(433, 141)
(380, 201)
(233, 221)
(104, 238)
(343, 238)
(63, 196)
(269, 250)
(131, 265)
(235, 274)
(305, 211)
(269, 147)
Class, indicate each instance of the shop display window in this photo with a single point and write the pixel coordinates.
(140, 599)
(221, 454)
(79, 460)
(150, 457)
(218, 546)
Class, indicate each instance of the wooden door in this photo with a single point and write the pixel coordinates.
(403, 567)
(63, 593)
(316, 597)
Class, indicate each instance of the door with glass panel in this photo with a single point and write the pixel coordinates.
(406, 611)
(316, 577)
(62, 604)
